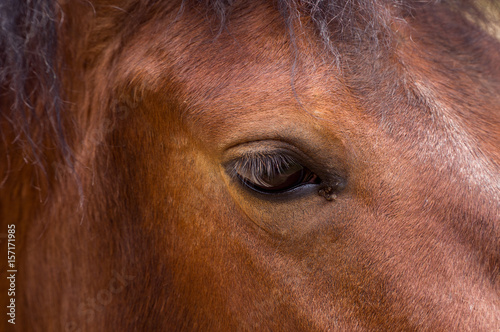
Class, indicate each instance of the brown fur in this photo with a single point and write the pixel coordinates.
(139, 226)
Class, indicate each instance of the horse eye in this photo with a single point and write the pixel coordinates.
(273, 174)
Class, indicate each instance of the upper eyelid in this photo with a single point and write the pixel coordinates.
(261, 163)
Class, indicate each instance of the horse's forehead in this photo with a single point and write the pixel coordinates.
(254, 47)
(249, 72)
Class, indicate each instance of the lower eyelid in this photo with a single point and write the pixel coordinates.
(290, 182)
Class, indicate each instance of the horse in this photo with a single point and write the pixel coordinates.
(220, 165)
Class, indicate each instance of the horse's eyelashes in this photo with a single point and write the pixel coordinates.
(272, 173)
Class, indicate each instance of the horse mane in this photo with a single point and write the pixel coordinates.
(29, 76)
(341, 20)
(31, 63)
